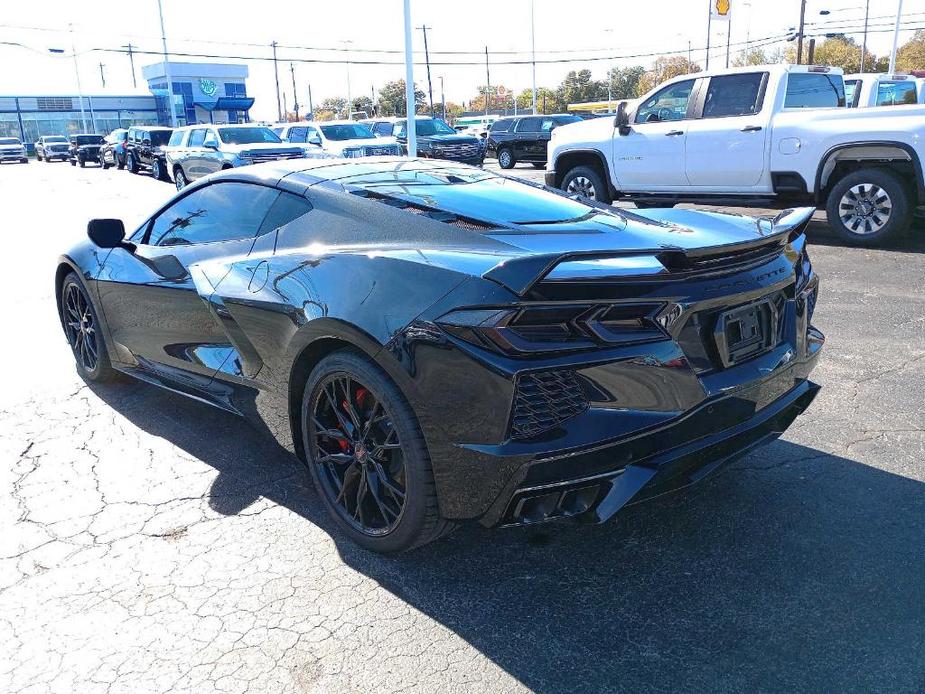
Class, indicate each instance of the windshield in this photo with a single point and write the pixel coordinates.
(55, 138)
(9, 141)
(247, 136)
(89, 139)
(347, 131)
(431, 126)
(160, 137)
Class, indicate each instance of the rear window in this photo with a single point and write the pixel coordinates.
(160, 137)
(814, 90)
(896, 93)
(501, 126)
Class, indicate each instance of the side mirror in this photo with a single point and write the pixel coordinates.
(314, 140)
(210, 144)
(106, 233)
(622, 120)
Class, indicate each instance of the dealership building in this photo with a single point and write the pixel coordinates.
(201, 93)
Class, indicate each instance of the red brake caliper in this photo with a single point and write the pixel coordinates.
(361, 398)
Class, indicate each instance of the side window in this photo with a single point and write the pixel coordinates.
(894, 93)
(298, 134)
(197, 137)
(145, 137)
(399, 129)
(814, 90)
(734, 95)
(384, 129)
(288, 207)
(547, 125)
(667, 104)
(176, 138)
(210, 139)
(528, 125)
(501, 126)
(219, 212)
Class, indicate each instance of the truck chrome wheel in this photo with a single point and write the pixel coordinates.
(582, 186)
(865, 208)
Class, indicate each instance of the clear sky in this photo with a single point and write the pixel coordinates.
(581, 30)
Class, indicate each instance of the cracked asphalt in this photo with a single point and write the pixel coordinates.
(151, 544)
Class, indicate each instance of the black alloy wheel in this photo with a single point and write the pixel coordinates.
(81, 327)
(367, 455)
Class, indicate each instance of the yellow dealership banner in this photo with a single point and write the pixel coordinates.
(720, 10)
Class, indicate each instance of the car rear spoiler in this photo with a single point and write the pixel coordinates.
(521, 274)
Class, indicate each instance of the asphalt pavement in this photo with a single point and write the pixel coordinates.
(150, 544)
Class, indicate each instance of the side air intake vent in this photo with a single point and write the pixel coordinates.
(542, 401)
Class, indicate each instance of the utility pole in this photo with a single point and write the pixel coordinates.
(728, 39)
(311, 106)
(170, 101)
(295, 97)
(487, 82)
(372, 98)
(899, 11)
(442, 98)
(864, 43)
(430, 88)
(709, 32)
(800, 34)
(349, 97)
(411, 130)
(279, 105)
(103, 75)
(80, 91)
(533, 53)
(131, 60)
(811, 52)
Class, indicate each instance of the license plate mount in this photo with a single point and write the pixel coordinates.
(746, 331)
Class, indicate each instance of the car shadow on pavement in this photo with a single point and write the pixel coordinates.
(820, 233)
(792, 569)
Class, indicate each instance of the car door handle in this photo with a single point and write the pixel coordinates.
(751, 128)
(672, 133)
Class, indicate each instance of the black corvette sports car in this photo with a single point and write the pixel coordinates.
(442, 344)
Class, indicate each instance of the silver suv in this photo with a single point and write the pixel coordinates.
(198, 150)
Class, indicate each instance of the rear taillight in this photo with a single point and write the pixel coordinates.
(523, 330)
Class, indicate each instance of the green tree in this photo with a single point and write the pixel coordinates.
(335, 104)
(624, 82)
(840, 51)
(544, 96)
(392, 99)
(578, 87)
(500, 98)
(911, 55)
(362, 103)
(664, 68)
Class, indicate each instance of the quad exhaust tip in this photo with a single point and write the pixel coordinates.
(538, 508)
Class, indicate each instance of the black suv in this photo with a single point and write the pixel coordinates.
(435, 138)
(84, 147)
(144, 148)
(524, 138)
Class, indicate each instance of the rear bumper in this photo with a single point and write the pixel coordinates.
(593, 483)
(598, 498)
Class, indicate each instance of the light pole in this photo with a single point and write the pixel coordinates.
(411, 125)
(533, 53)
(279, 106)
(80, 91)
(173, 108)
(442, 98)
(899, 11)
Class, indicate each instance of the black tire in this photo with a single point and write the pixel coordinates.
(73, 162)
(38, 157)
(82, 162)
(586, 182)
(870, 207)
(103, 164)
(407, 469)
(179, 178)
(157, 170)
(506, 159)
(131, 164)
(24, 160)
(81, 319)
(538, 164)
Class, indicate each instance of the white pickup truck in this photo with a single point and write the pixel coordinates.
(760, 135)
(863, 90)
